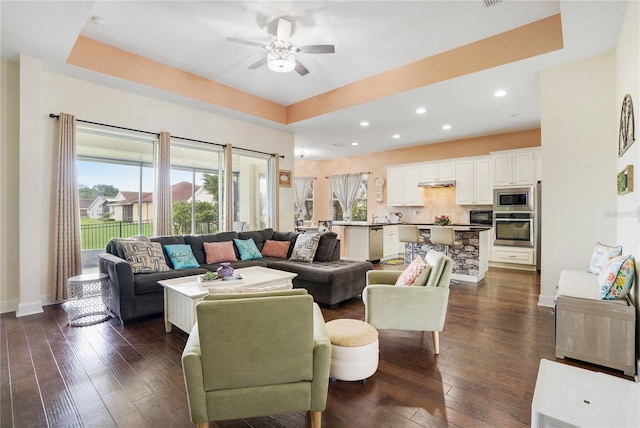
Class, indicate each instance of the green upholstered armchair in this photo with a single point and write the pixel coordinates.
(418, 307)
(257, 354)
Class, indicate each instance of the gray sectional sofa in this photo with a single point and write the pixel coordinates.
(328, 279)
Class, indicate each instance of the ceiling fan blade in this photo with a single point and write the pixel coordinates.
(301, 69)
(258, 63)
(316, 49)
(245, 42)
(284, 29)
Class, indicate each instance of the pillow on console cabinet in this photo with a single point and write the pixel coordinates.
(616, 278)
(602, 254)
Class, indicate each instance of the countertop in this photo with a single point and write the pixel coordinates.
(457, 227)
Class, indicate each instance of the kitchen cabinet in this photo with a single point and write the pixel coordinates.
(390, 244)
(523, 256)
(402, 186)
(473, 181)
(514, 167)
(363, 243)
(438, 171)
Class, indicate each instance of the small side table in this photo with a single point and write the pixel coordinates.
(88, 299)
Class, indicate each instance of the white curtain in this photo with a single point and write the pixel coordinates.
(301, 186)
(162, 196)
(346, 187)
(66, 251)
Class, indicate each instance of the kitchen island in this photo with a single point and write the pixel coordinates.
(470, 260)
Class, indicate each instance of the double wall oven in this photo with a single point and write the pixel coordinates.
(514, 216)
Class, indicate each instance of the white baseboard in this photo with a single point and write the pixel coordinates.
(548, 301)
(30, 308)
(8, 306)
(467, 278)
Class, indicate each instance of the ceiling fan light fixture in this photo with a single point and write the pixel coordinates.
(280, 57)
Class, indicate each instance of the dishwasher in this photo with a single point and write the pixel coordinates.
(375, 243)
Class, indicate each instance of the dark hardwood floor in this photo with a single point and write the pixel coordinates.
(107, 375)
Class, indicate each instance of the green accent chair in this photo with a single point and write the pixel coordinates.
(420, 307)
(258, 354)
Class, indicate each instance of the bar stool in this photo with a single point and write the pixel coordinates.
(409, 234)
(444, 235)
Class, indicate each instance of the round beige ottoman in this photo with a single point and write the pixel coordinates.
(354, 349)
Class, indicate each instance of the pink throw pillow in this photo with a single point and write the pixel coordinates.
(412, 272)
(276, 248)
(217, 252)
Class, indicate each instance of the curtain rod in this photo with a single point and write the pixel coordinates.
(57, 116)
(361, 172)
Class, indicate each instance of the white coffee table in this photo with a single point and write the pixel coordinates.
(182, 294)
(567, 396)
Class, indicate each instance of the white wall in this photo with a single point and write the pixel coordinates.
(56, 93)
(579, 147)
(628, 82)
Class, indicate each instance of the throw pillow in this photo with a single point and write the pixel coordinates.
(217, 252)
(118, 243)
(305, 248)
(145, 257)
(616, 278)
(412, 272)
(276, 248)
(602, 254)
(181, 256)
(247, 249)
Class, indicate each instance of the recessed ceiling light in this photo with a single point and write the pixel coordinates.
(446, 127)
(355, 143)
(97, 21)
(500, 93)
(421, 110)
(364, 123)
(396, 136)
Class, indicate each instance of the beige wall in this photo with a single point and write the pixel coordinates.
(377, 163)
(628, 82)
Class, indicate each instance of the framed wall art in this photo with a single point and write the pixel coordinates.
(626, 134)
(625, 180)
(284, 178)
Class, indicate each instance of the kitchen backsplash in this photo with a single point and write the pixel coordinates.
(437, 201)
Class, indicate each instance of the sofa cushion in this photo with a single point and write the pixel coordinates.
(601, 255)
(259, 236)
(286, 236)
(217, 252)
(247, 249)
(197, 243)
(326, 246)
(168, 240)
(144, 257)
(278, 249)
(145, 283)
(577, 283)
(305, 248)
(181, 256)
(114, 245)
(616, 278)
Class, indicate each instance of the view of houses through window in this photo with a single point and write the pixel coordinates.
(116, 183)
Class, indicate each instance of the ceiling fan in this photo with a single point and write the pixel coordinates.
(281, 53)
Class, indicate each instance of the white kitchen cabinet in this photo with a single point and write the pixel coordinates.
(514, 167)
(402, 186)
(517, 255)
(438, 171)
(473, 181)
(390, 243)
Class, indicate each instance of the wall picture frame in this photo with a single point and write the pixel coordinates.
(284, 178)
(626, 132)
(625, 180)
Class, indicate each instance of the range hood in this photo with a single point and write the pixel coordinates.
(443, 183)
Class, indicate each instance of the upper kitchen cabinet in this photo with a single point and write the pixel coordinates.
(473, 181)
(514, 167)
(402, 186)
(433, 172)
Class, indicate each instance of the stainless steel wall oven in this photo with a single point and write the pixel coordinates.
(514, 229)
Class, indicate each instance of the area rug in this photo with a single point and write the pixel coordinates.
(393, 262)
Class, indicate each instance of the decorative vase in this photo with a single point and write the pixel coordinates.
(225, 270)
